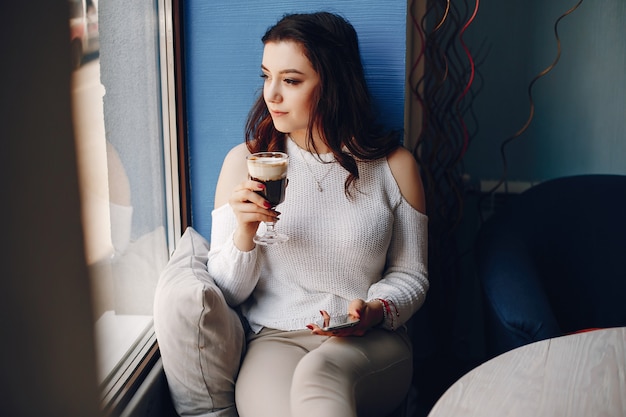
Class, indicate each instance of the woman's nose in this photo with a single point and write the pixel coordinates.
(272, 92)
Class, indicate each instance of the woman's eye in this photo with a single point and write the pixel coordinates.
(291, 81)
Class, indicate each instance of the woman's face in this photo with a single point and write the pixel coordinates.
(289, 86)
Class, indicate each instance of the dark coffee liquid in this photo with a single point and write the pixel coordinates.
(274, 190)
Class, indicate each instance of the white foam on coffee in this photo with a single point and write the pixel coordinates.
(267, 168)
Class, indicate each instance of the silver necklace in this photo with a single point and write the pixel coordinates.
(321, 180)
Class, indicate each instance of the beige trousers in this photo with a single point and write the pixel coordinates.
(297, 374)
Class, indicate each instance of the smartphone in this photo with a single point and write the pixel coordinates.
(340, 322)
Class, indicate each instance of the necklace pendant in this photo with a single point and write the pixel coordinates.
(319, 186)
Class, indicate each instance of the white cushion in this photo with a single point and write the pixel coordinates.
(200, 337)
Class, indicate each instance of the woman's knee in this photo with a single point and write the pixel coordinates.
(318, 367)
(321, 386)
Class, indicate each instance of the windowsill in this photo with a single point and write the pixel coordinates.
(116, 336)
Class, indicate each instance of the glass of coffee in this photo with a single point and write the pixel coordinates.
(270, 168)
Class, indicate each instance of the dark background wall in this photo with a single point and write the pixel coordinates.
(578, 127)
(580, 106)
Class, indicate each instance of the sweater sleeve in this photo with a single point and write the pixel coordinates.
(235, 272)
(405, 281)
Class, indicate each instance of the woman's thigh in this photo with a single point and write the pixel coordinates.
(264, 381)
(288, 374)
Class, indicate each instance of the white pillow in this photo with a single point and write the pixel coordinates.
(200, 337)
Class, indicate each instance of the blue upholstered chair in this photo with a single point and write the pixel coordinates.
(554, 261)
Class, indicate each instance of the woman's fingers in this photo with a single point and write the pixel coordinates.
(248, 192)
(326, 317)
(356, 330)
(250, 207)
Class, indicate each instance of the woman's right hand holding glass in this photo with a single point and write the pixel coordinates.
(250, 210)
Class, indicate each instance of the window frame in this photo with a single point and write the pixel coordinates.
(118, 389)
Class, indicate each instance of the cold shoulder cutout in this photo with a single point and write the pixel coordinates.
(406, 172)
(234, 171)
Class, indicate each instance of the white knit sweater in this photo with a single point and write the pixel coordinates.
(339, 249)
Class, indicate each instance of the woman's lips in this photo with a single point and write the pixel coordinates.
(276, 113)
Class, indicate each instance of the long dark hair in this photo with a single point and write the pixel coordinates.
(342, 103)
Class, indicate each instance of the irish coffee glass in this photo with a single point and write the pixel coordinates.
(270, 168)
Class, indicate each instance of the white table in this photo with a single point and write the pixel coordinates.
(581, 375)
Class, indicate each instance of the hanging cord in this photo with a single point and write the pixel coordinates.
(445, 91)
(470, 81)
(443, 75)
(503, 178)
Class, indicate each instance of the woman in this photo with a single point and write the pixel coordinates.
(357, 235)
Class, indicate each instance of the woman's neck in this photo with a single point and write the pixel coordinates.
(318, 145)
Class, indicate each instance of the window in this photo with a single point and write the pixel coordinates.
(123, 95)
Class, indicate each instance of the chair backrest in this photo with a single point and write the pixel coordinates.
(557, 254)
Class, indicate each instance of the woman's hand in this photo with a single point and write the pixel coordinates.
(250, 209)
(235, 188)
(369, 315)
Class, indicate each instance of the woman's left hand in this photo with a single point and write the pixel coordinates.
(369, 315)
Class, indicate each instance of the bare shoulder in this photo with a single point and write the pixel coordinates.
(237, 155)
(407, 175)
(234, 172)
